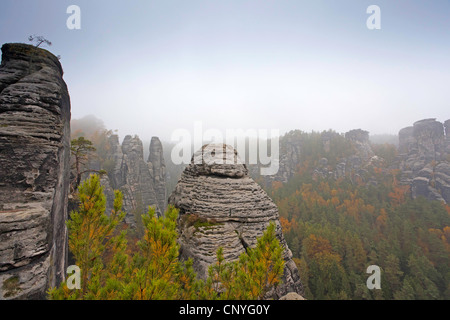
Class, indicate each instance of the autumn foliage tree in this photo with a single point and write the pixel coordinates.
(336, 228)
(110, 271)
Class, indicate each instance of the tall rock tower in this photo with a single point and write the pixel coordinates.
(142, 183)
(157, 167)
(236, 209)
(424, 153)
(34, 171)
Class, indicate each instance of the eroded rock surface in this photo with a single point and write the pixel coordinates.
(425, 159)
(138, 190)
(142, 183)
(157, 167)
(221, 206)
(294, 151)
(34, 171)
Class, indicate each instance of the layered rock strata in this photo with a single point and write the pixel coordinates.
(355, 165)
(157, 167)
(34, 171)
(424, 157)
(221, 206)
(142, 183)
(138, 189)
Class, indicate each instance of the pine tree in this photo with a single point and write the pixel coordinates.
(108, 271)
(251, 277)
(80, 149)
(262, 267)
(155, 266)
(392, 276)
(90, 232)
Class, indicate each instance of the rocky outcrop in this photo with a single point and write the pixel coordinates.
(116, 174)
(221, 206)
(406, 140)
(360, 140)
(138, 189)
(157, 169)
(354, 164)
(429, 136)
(291, 153)
(108, 192)
(447, 137)
(292, 296)
(142, 183)
(425, 159)
(34, 171)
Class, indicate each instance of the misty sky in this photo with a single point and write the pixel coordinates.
(150, 67)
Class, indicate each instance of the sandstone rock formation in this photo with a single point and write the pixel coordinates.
(354, 165)
(138, 190)
(292, 296)
(221, 206)
(34, 171)
(406, 140)
(109, 193)
(291, 152)
(142, 183)
(360, 139)
(157, 169)
(425, 159)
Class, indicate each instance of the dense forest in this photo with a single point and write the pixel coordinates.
(336, 228)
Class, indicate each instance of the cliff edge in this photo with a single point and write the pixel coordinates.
(34, 171)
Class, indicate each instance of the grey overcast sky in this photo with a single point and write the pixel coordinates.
(150, 67)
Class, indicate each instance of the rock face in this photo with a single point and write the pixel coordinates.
(406, 140)
(355, 166)
(425, 159)
(360, 139)
(157, 167)
(292, 296)
(116, 175)
(221, 206)
(290, 156)
(138, 190)
(292, 150)
(34, 171)
(109, 193)
(142, 183)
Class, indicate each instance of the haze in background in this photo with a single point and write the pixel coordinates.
(150, 67)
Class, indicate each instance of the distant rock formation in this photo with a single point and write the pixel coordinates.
(360, 139)
(221, 206)
(138, 190)
(291, 151)
(425, 159)
(34, 171)
(355, 165)
(142, 183)
(157, 167)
